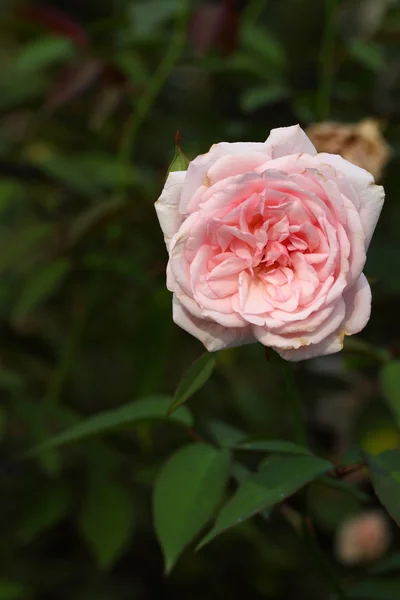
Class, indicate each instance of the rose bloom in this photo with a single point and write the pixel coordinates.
(267, 242)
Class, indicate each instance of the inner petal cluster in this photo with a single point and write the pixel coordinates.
(270, 254)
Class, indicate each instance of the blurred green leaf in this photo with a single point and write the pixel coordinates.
(43, 511)
(387, 564)
(148, 16)
(390, 381)
(3, 423)
(88, 173)
(18, 243)
(376, 589)
(385, 474)
(263, 445)
(345, 487)
(226, 435)
(93, 218)
(107, 520)
(265, 48)
(146, 409)
(278, 477)
(368, 54)
(10, 194)
(194, 379)
(255, 98)
(40, 286)
(133, 66)
(17, 88)
(44, 51)
(186, 494)
(11, 590)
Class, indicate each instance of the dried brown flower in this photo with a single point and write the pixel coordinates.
(360, 143)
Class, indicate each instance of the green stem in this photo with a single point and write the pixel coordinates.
(327, 57)
(154, 87)
(294, 399)
(326, 569)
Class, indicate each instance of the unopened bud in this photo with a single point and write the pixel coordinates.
(362, 538)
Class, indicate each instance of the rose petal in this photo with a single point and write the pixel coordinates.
(371, 196)
(358, 306)
(198, 168)
(289, 140)
(332, 344)
(213, 336)
(302, 338)
(167, 205)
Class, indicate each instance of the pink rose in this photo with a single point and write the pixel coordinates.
(267, 242)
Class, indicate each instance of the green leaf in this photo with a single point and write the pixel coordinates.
(385, 475)
(148, 16)
(368, 54)
(278, 446)
(194, 379)
(255, 98)
(225, 435)
(146, 409)
(17, 244)
(279, 477)
(390, 381)
(11, 590)
(387, 564)
(43, 52)
(264, 47)
(87, 173)
(95, 217)
(376, 589)
(186, 494)
(40, 286)
(107, 520)
(344, 486)
(43, 511)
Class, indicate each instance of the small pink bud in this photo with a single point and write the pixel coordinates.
(363, 538)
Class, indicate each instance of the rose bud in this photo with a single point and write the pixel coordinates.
(363, 538)
(267, 242)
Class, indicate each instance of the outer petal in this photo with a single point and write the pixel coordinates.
(332, 344)
(358, 306)
(168, 203)
(198, 168)
(289, 140)
(213, 336)
(302, 338)
(371, 196)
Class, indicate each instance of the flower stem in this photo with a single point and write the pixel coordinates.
(294, 399)
(326, 63)
(154, 87)
(324, 565)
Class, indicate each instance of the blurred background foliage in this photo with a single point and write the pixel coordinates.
(91, 95)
